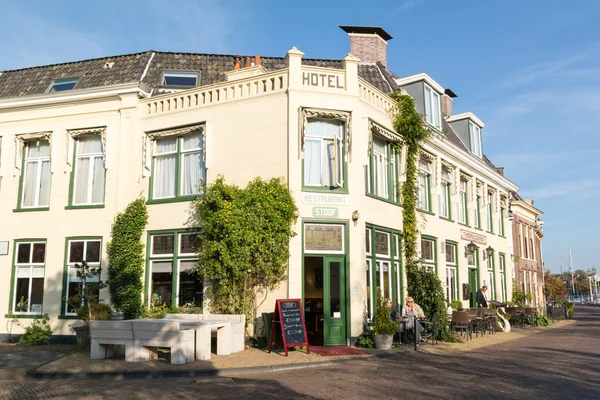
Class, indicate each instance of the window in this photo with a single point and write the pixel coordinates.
(424, 185)
(179, 167)
(88, 176)
(180, 78)
(490, 210)
(502, 278)
(383, 170)
(36, 177)
(463, 203)
(451, 273)
(475, 139)
(324, 153)
(428, 255)
(382, 265)
(501, 218)
(61, 85)
(491, 277)
(432, 107)
(445, 196)
(173, 256)
(78, 250)
(30, 262)
(477, 222)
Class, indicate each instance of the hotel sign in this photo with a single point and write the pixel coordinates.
(325, 199)
(323, 80)
(473, 237)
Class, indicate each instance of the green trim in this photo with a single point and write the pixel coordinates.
(425, 211)
(373, 196)
(172, 200)
(468, 226)
(391, 173)
(14, 269)
(18, 316)
(479, 229)
(175, 257)
(435, 251)
(501, 227)
(325, 189)
(504, 237)
(31, 209)
(63, 297)
(456, 265)
(503, 274)
(446, 219)
(396, 291)
(346, 257)
(84, 207)
(478, 214)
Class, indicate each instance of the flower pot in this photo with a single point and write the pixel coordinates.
(83, 336)
(383, 342)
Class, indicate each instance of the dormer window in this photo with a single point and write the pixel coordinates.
(432, 107)
(475, 139)
(61, 85)
(182, 79)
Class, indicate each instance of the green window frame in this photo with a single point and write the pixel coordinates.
(178, 167)
(445, 198)
(502, 266)
(451, 252)
(324, 165)
(477, 220)
(77, 249)
(35, 182)
(490, 212)
(424, 186)
(383, 265)
(429, 257)
(491, 273)
(501, 231)
(383, 170)
(90, 178)
(28, 278)
(169, 257)
(463, 205)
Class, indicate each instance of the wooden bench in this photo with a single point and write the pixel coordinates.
(104, 335)
(149, 335)
(238, 326)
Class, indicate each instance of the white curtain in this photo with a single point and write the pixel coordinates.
(82, 173)
(192, 164)
(164, 168)
(98, 181)
(312, 162)
(319, 164)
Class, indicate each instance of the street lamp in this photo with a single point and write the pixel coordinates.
(489, 252)
(470, 249)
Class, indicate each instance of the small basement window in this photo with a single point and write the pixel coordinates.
(60, 85)
(180, 78)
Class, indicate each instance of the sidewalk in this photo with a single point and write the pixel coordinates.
(77, 364)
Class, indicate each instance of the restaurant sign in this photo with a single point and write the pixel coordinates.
(325, 212)
(323, 238)
(473, 237)
(325, 199)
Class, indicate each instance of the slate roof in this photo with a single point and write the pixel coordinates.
(130, 68)
(453, 138)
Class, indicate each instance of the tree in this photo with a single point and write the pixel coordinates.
(126, 259)
(554, 287)
(244, 241)
(86, 301)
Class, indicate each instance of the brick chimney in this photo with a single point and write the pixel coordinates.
(447, 103)
(368, 43)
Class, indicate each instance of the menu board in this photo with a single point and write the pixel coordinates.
(289, 314)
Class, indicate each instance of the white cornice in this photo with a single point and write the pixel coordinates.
(526, 206)
(75, 95)
(421, 77)
(469, 115)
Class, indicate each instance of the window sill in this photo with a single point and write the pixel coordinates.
(84, 207)
(464, 224)
(173, 200)
(31, 209)
(502, 236)
(446, 219)
(492, 232)
(425, 211)
(28, 316)
(68, 317)
(323, 189)
(374, 196)
(479, 229)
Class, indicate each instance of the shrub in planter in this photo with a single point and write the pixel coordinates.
(383, 326)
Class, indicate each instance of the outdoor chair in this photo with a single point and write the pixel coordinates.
(515, 317)
(430, 328)
(461, 320)
(477, 322)
(490, 317)
(531, 317)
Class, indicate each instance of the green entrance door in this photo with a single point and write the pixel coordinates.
(334, 307)
(473, 285)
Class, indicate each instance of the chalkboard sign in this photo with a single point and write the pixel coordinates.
(289, 316)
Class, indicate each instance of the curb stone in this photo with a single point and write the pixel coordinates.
(157, 374)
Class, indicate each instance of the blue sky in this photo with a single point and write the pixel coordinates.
(529, 69)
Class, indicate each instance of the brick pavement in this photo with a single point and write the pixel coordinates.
(557, 363)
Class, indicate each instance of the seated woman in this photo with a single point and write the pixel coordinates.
(411, 310)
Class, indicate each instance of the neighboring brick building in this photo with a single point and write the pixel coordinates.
(527, 247)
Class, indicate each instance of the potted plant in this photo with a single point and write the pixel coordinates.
(86, 302)
(383, 326)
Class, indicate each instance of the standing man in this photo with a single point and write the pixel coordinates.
(481, 297)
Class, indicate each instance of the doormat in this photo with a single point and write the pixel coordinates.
(337, 351)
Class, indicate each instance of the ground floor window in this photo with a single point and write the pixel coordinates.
(29, 272)
(451, 272)
(173, 256)
(79, 250)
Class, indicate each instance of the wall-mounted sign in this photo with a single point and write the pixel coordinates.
(323, 238)
(3, 248)
(325, 212)
(322, 80)
(325, 199)
(473, 237)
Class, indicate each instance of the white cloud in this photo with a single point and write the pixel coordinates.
(576, 190)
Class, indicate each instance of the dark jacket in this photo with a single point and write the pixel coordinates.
(480, 299)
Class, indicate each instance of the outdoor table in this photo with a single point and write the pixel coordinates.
(202, 330)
